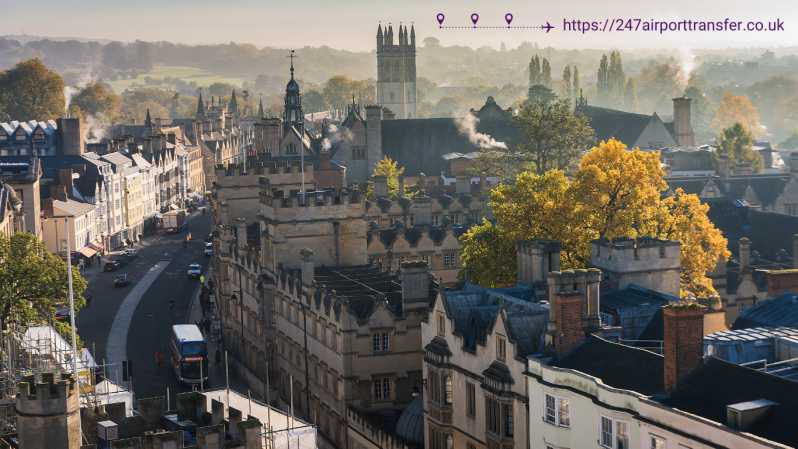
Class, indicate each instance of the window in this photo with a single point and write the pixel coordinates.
(291, 148)
(380, 342)
(657, 442)
(492, 415)
(449, 260)
(435, 386)
(614, 434)
(557, 411)
(448, 392)
(606, 432)
(382, 389)
(507, 419)
(436, 219)
(358, 153)
(471, 400)
(441, 325)
(501, 348)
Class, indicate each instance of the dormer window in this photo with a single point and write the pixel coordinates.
(441, 325)
(501, 348)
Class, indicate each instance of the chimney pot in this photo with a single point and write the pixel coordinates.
(683, 345)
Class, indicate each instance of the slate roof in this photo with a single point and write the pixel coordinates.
(634, 296)
(410, 426)
(72, 208)
(617, 365)
(770, 233)
(474, 310)
(715, 384)
(612, 123)
(766, 187)
(779, 311)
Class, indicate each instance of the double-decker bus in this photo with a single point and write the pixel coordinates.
(189, 354)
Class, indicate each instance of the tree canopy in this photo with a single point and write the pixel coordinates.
(392, 171)
(734, 109)
(613, 193)
(31, 91)
(735, 143)
(33, 281)
(98, 99)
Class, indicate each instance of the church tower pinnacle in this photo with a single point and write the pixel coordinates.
(292, 111)
(396, 71)
(200, 106)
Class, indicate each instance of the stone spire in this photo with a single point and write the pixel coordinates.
(379, 37)
(260, 108)
(412, 36)
(233, 105)
(148, 120)
(200, 106)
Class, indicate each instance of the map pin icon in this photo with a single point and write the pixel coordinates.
(440, 17)
(474, 18)
(508, 18)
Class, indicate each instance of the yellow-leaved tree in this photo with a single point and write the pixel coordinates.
(614, 193)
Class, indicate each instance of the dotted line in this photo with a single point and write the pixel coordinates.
(485, 27)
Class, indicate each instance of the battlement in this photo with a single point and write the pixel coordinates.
(47, 395)
(627, 254)
(294, 200)
(572, 281)
(265, 166)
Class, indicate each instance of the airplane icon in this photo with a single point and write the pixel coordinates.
(548, 27)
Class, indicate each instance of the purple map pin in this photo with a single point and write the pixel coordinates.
(440, 17)
(474, 18)
(508, 18)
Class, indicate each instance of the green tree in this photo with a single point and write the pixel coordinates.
(603, 80)
(552, 135)
(98, 99)
(312, 101)
(33, 281)
(736, 145)
(566, 92)
(339, 90)
(31, 91)
(486, 253)
(630, 95)
(540, 94)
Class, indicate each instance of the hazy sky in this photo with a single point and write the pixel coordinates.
(351, 23)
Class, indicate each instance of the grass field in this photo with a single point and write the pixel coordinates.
(202, 77)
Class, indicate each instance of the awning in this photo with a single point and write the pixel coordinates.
(96, 247)
(173, 206)
(87, 252)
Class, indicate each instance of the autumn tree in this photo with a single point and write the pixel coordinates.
(613, 193)
(657, 85)
(31, 91)
(338, 91)
(552, 135)
(734, 109)
(33, 281)
(735, 144)
(98, 99)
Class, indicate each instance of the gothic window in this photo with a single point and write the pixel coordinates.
(291, 148)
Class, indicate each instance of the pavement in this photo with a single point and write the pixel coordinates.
(133, 323)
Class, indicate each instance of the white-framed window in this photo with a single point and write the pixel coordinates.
(448, 390)
(614, 434)
(441, 325)
(501, 348)
(382, 388)
(449, 259)
(380, 342)
(657, 442)
(557, 411)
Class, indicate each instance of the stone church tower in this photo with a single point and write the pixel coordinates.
(396, 71)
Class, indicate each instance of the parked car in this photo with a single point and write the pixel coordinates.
(112, 265)
(62, 314)
(194, 271)
(121, 280)
(130, 252)
(208, 249)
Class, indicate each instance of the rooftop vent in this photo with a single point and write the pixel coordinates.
(743, 415)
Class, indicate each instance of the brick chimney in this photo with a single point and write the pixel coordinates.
(681, 122)
(565, 329)
(683, 345)
(781, 281)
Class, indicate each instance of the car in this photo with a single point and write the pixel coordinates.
(209, 238)
(208, 249)
(121, 280)
(112, 265)
(62, 314)
(130, 253)
(194, 271)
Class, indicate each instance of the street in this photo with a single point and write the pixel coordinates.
(134, 322)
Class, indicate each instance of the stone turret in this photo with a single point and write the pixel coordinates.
(48, 412)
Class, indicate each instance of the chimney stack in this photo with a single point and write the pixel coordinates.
(574, 308)
(415, 279)
(308, 269)
(744, 255)
(681, 122)
(683, 345)
(535, 259)
(795, 250)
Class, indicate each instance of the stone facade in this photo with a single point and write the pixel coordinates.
(396, 71)
(647, 262)
(48, 413)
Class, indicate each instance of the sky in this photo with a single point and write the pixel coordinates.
(350, 24)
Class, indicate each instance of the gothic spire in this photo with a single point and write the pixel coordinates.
(200, 105)
(233, 106)
(412, 36)
(380, 39)
(148, 120)
(260, 108)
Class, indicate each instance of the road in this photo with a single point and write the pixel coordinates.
(134, 322)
